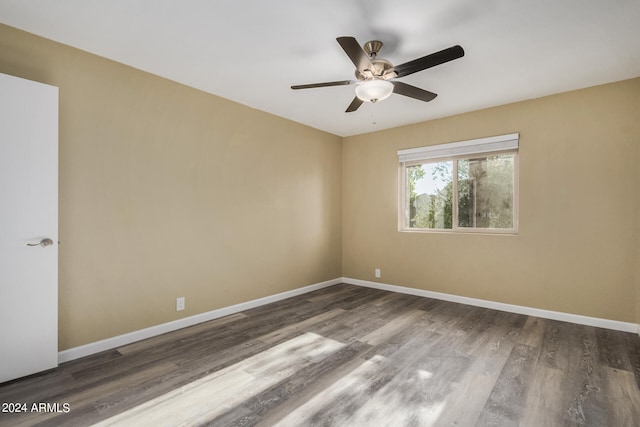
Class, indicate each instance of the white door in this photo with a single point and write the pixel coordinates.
(28, 216)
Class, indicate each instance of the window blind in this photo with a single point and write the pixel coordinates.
(461, 148)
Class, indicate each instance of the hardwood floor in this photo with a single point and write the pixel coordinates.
(349, 356)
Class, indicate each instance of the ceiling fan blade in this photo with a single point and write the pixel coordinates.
(429, 61)
(355, 104)
(325, 84)
(353, 50)
(413, 92)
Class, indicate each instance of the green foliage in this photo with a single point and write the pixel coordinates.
(414, 173)
(485, 194)
(432, 210)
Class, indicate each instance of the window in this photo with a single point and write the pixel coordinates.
(467, 186)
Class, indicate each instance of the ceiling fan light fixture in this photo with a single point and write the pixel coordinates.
(374, 90)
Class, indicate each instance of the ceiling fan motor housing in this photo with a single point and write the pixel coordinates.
(381, 67)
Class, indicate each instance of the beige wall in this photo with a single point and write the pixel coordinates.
(166, 191)
(578, 249)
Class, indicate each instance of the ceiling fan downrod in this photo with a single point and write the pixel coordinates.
(372, 48)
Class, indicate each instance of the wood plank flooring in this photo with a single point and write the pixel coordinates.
(348, 356)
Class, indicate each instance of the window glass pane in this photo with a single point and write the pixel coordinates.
(485, 192)
(430, 195)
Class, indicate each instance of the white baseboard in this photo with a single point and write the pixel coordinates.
(120, 340)
(529, 311)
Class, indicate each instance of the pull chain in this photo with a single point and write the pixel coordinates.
(373, 113)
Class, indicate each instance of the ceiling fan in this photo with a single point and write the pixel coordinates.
(376, 75)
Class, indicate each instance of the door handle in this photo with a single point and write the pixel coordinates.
(44, 243)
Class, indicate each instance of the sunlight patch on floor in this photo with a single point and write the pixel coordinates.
(211, 396)
(357, 400)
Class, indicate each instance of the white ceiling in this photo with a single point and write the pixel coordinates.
(252, 51)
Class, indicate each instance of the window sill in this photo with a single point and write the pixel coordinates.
(483, 231)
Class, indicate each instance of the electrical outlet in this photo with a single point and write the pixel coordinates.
(377, 272)
(180, 304)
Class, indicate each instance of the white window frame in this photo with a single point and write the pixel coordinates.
(494, 145)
